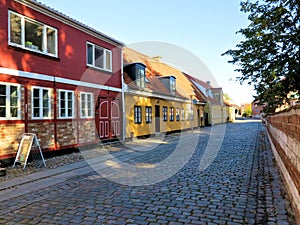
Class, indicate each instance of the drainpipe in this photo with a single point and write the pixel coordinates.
(123, 99)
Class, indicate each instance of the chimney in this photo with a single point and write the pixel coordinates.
(208, 82)
(158, 58)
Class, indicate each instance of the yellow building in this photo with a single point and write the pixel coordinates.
(158, 98)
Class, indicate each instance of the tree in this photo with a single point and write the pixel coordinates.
(268, 57)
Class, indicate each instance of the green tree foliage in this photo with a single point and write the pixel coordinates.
(268, 57)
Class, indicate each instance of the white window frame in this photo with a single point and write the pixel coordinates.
(171, 112)
(8, 101)
(177, 114)
(105, 52)
(148, 114)
(137, 114)
(67, 106)
(84, 106)
(165, 113)
(41, 113)
(182, 114)
(23, 44)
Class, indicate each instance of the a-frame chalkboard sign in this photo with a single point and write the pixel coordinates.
(29, 144)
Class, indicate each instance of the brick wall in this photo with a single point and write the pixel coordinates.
(66, 133)
(87, 131)
(44, 132)
(284, 133)
(10, 136)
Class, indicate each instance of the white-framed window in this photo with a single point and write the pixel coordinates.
(66, 103)
(140, 77)
(165, 113)
(148, 114)
(98, 57)
(171, 114)
(137, 114)
(41, 103)
(32, 35)
(173, 85)
(10, 108)
(86, 105)
(177, 114)
(182, 114)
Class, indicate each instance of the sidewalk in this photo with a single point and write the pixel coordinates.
(86, 159)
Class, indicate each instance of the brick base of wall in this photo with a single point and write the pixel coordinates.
(284, 135)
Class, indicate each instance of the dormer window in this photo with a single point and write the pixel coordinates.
(137, 72)
(140, 77)
(170, 83)
(173, 85)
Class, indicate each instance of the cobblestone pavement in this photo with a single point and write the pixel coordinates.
(241, 186)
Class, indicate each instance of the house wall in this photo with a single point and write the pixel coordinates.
(284, 133)
(67, 71)
(144, 128)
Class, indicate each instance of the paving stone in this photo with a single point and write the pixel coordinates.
(241, 186)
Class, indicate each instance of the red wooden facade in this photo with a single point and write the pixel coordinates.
(64, 84)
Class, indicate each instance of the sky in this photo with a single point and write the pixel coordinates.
(190, 34)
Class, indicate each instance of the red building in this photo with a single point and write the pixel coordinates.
(59, 79)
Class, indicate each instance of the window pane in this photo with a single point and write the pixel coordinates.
(99, 57)
(14, 112)
(51, 41)
(45, 94)
(36, 112)
(2, 89)
(2, 101)
(62, 100)
(90, 54)
(13, 96)
(2, 111)
(108, 60)
(36, 93)
(45, 103)
(83, 102)
(13, 101)
(13, 91)
(36, 102)
(33, 35)
(46, 112)
(15, 29)
(70, 112)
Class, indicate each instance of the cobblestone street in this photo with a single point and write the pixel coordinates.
(241, 186)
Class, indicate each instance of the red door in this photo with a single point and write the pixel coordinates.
(108, 123)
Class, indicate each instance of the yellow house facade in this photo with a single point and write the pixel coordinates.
(155, 99)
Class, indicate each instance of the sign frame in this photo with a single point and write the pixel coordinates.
(25, 146)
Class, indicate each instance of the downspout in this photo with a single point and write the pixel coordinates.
(123, 99)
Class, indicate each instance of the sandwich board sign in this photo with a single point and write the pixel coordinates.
(29, 144)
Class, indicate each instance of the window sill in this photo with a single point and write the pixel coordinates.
(99, 69)
(33, 52)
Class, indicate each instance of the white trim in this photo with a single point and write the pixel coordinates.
(105, 51)
(40, 88)
(44, 77)
(8, 106)
(86, 104)
(44, 38)
(67, 103)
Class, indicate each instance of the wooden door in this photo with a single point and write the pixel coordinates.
(109, 119)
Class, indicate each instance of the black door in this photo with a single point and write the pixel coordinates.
(157, 118)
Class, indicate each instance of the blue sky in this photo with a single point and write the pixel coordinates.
(204, 28)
